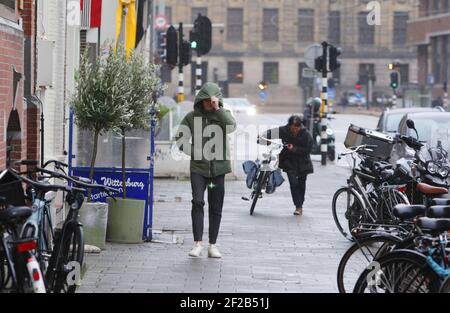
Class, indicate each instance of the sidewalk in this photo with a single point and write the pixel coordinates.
(271, 251)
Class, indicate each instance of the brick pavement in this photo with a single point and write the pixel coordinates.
(271, 251)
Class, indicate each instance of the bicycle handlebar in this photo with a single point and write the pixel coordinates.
(83, 182)
(271, 141)
(49, 187)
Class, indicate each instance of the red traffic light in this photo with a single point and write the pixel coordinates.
(358, 86)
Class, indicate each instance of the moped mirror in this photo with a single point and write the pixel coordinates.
(411, 125)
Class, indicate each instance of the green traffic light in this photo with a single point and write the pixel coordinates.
(194, 45)
(394, 85)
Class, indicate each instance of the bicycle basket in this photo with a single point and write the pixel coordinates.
(11, 188)
(250, 169)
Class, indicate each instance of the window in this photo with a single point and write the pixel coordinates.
(199, 10)
(400, 28)
(270, 25)
(404, 73)
(437, 55)
(305, 25)
(366, 71)
(235, 72)
(334, 27)
(270, 72)
(446, 6)
(437, 7)
(366, 31)
(235, 24)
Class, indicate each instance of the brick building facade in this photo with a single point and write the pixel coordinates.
(18, 116)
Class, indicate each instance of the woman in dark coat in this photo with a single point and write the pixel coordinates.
(295, 158)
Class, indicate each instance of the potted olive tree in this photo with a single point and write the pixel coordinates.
(98, 105)
(125, 217)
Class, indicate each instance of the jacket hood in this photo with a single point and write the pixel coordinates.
(207, 91)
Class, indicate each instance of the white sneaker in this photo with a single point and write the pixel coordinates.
(196, 251)
(213, 252)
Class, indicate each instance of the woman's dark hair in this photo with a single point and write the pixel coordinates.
(295, 120)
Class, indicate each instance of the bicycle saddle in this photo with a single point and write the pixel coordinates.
(15, 215)
(431, 190)
(438, 225)
(439, 211)
(405, 211)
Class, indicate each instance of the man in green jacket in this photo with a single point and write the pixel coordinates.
(203, 136)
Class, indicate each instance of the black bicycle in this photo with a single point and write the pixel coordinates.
(66, 259)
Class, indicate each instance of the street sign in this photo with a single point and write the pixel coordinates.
(312, 53)
(160, 22)
(309, 73)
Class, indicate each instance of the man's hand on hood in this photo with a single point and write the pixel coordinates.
(215, 103)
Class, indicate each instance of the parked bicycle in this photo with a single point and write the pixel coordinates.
(263, 174)
(59, 253)
(369, 196)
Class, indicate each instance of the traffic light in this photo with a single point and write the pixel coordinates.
(185, 53)
(394, 80)
(172, 46)
(201, 35)
(318, 64)
(193, 38)
(334, 53)
(358, 86)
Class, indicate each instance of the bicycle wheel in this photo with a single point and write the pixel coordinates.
(401, 271)
(257, 192)
(70, 260)
(359, 255)
(347, 211)
(445, 288)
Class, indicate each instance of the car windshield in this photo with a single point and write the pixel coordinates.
(392, 122)
(433, 129)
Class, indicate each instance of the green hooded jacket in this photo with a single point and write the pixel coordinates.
(210, 155)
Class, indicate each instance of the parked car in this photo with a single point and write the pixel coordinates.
(353, 98)
(431, 127)
(390, 119)
(240, 105)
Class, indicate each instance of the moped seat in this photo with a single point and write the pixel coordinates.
(405, 211)
(439, 211)
(434, 224)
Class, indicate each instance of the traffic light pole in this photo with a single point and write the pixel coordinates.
(180, 91)
(198, 74)
(323, 108)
